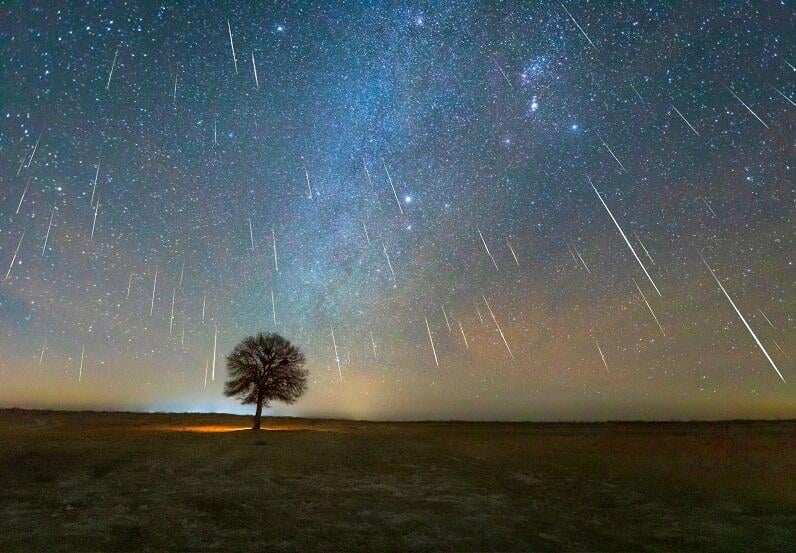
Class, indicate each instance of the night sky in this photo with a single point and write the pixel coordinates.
(396, 172)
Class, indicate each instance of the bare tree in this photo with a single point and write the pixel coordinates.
(265, 368)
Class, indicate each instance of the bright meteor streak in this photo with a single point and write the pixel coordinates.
(13, 259)
(232, 45)
(215, 347)
(690, 126)
(743, 319)
(601, 354)
(336, 355)
(394, 193)
(629, 245)
(430, 339)
(487, 250)
(747, 107)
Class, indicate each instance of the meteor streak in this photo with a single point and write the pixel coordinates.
(394, 193)
(336, 354)
(430, 339)
(649, 307)
(569, 249)
(22, 198)
(309, 187)
(447, 323)
(254, 66)
(367, 236)
(629, 245)
(707, 205)
(373, 345)
(487, 249)
(273, 241)
(782, 351)
(480, 317)
(581, 258)
(46, 236)
(766, 318)
(514, 255)
(601, 354)
(215, 344)
(232, 45)
(498, 327)
(273, 305)
(154, 286)
(96, 177)
(171, 318)
(690, 126)
(108, 85)
(607, 147)
(784, 96)
(747, 107)
(636, 91)
(13, 259)
(461, 328)
(94, 223)
(502, 72)
(740, 316)
(389, 263)
(643, 247)
(35, 147)
(578, 26)
(367, 174)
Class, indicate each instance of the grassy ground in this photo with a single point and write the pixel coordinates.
(114, 482)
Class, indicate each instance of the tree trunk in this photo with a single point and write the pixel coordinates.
(258, 413)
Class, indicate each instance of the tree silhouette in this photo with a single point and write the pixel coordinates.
(265, 368)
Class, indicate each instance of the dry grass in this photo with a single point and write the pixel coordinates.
(116, 482)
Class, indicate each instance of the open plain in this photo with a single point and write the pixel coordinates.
(144, 482)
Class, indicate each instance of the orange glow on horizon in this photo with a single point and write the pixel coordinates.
(216, 428)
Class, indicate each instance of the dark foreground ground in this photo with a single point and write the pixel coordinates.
(107, 482)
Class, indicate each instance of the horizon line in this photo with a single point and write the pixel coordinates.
(409, 421)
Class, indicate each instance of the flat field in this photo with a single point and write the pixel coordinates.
(153, 482)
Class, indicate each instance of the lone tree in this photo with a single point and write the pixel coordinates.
(265, 368)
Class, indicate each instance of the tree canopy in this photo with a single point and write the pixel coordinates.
(265, 368)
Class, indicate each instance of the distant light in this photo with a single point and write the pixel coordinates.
(280, 28)
(574, 126)
(408, 199)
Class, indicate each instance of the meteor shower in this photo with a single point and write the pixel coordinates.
(397, 276)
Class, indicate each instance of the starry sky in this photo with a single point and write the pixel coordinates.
(470, 210)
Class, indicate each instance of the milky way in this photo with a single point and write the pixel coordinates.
(460, 210)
